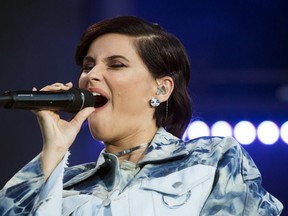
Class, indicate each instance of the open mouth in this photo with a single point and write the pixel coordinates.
(100, 100)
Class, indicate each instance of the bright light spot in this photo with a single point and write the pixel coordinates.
(221, 128)
(245, 132)
(284, 132)
(197, 129)
(268, 132)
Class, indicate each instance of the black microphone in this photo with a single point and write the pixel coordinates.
(72, 100)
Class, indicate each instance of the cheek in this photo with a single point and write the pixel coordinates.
(134, 94)
(81, 81)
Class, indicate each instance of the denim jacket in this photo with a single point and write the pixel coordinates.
(204, 176)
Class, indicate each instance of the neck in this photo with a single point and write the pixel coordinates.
(130, 150)
(134, 154)
(133, 147)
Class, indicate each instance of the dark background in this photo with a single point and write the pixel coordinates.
(238, 52)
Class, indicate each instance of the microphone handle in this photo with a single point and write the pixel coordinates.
(68, 101)
(43, 100)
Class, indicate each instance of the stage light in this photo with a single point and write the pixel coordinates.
(221, 128)
(197, 129)
(244, 132)
(268, 132)
(284, 132)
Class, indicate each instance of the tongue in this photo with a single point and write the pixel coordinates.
(100, 101)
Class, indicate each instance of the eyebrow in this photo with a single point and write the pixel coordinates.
(113, 57)
(106, 59)
(88, 58)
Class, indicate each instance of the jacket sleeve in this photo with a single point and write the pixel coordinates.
(237, 188)
(27, 193)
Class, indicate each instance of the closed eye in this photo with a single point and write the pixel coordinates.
(88, 64)
(116, 61)
(116, 65)
(87, 67)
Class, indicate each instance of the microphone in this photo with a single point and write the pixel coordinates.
(71, 101)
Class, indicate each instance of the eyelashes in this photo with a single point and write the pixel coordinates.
(113, 62)
(87, 67)
(114, 66)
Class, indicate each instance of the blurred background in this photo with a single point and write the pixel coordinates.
(238, 52)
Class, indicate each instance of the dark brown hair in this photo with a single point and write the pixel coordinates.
(162, 53)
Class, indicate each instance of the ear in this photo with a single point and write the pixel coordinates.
(165, 88)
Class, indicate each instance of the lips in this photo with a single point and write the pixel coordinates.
(100, 100)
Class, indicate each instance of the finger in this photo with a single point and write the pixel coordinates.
(41, 114)
(57, 86)
(81, 116)
(69, 84)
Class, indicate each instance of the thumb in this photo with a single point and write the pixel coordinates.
(81, 116)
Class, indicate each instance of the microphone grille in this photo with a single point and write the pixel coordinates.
(83, 98)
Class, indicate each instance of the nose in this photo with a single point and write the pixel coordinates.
(95, 74)
(90, 77)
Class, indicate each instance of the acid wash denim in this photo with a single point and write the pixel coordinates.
(204, 176)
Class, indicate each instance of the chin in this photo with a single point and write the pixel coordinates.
(99, 133)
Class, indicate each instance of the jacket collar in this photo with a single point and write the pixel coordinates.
(164, 147)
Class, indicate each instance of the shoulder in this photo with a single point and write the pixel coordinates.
(203, 150)
(210, 150)
(212, 143)
(223, 153)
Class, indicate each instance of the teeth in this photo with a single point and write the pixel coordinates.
(96, 94)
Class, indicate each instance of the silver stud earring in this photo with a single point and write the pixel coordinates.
(154, 102)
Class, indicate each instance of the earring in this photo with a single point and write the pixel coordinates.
(160, 90)
(154, 102)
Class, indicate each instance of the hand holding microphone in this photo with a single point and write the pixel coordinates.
(58, 134)
(71, 100)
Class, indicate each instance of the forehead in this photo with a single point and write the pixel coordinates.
(113, 44)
